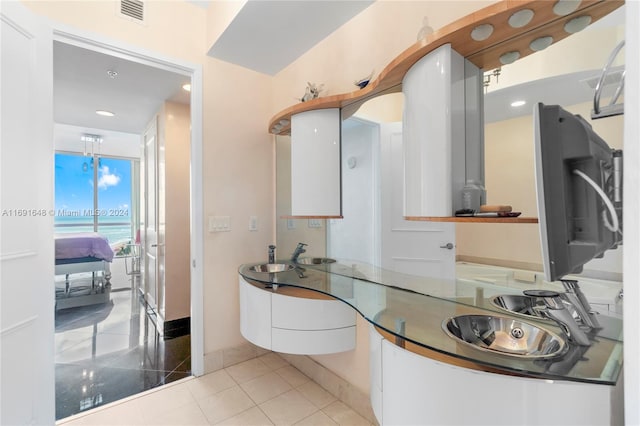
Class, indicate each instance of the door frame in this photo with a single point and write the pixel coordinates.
(105, 45)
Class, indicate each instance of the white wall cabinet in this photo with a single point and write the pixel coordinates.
(315, 163)
(442, 134)
(295, 325)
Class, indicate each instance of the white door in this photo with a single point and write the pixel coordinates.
(153, 239)
(417, 248)
(26, 228)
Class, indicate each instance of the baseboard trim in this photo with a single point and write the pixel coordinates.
(504, 263)
(177, 327)
(223, 358)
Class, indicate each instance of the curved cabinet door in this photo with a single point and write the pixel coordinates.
(298, 313)
(314, 342)
(419, 390)
(255, 314)
(295, 325)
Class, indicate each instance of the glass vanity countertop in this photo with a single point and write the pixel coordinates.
(376, 294)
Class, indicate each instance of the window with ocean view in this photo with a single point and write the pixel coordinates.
(94, 194)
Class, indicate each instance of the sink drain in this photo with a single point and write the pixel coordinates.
(517, 333)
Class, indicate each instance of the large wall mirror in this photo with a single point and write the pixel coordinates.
(565, 73)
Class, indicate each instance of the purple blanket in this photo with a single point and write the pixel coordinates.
(83, 244)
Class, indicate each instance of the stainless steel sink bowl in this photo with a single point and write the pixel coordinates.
(519, 304)
(504, 336)
(272, 267)
(527, 306)
(315, 260)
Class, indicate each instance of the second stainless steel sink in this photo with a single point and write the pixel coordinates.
(504, 336)
(519, 304)
(272, 267)
(527, 306)
(315, 260)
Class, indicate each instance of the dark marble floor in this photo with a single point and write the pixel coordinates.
(109, 351)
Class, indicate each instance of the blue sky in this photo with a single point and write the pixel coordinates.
(74, 186)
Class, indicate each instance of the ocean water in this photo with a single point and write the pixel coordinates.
(117, 231)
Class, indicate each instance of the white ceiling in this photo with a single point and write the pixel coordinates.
(567, 89)
(82, 85)
(266, 36)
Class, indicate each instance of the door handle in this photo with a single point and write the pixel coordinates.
(448, 246)
(162, 245)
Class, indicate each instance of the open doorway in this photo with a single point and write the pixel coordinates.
(112, 340)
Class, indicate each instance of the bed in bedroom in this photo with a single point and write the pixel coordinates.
(84, 261)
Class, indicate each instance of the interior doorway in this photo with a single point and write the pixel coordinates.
(92, 340)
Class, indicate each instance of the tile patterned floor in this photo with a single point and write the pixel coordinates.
(262, 391)
(106, 352)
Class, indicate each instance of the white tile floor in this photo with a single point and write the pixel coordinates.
(261, 391)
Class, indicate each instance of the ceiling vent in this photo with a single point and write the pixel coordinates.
(612, 77)
(132, 9)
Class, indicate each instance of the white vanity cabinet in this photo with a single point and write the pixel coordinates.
(296, 321)
(409, 388)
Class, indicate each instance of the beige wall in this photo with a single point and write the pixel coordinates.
(237, 151)
(175, 120)
(367, 42)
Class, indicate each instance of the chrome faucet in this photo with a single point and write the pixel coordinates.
(555, 310)
(272, 254)
(577, 299)
(298, 251)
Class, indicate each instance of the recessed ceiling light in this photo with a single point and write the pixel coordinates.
(541, 43)
(482, 32)
(187, 87)
(521, 18)
(577, 24)
(104, 113)
(565, 7)
(517, 103)
(509, 57)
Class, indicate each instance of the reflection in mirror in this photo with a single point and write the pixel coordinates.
(290, 231)
(565, 73)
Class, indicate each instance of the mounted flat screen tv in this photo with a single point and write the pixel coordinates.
(579, 191)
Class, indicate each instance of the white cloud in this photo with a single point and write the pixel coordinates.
(107, 179)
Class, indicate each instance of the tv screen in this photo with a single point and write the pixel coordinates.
(579, 191)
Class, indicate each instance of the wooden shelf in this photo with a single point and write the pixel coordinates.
(484, 54)
(311, 217)
(474, 219)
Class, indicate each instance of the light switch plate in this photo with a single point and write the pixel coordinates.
(291, 224)
(253, 223)
(315, 223)
(219, 223)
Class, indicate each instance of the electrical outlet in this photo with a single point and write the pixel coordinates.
(291, 224)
